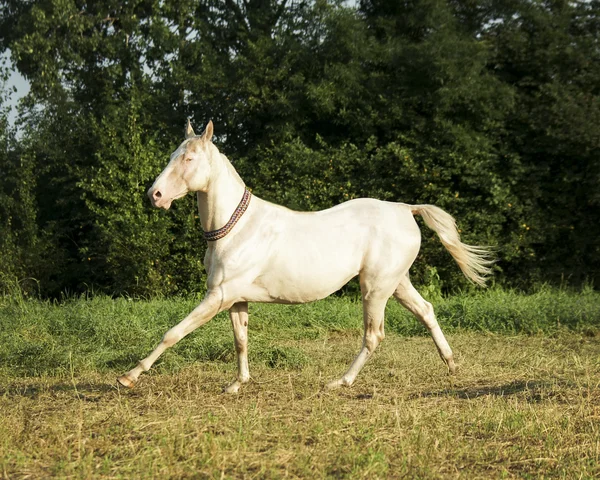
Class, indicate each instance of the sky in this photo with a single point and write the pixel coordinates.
(18, 81)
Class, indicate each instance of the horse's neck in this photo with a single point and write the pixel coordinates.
(226, 188)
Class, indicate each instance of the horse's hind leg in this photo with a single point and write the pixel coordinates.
(373, 314)
(407, 295)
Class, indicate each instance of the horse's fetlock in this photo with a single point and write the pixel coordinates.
(143, 366)
(241, 349)
(372, 340)
(371, 345)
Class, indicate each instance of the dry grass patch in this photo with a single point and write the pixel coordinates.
(520, 407)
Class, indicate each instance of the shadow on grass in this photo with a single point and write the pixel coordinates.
(91, 392)
(532, 390)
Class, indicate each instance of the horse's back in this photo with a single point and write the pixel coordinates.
(380, 218)
(360, 222)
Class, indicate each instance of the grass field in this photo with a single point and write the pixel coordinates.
(525, 402)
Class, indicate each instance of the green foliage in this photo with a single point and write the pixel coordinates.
(549, 53)
(132, 247)
(22, 244)
(488, 110)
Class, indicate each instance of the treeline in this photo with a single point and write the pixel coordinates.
(489, 109)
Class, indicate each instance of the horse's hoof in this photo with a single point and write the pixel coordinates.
(335, 384)
(233, 388)
(451, 367)
(126, 381)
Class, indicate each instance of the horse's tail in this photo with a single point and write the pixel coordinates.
(475, 262)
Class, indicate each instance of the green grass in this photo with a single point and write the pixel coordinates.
(525, 403)
(102, 334)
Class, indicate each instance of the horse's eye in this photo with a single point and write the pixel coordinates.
(188, 159)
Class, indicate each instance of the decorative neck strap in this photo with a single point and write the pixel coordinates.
(215, 235)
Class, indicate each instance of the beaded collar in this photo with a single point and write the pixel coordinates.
(215, 235)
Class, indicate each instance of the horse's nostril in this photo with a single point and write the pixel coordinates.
(157, 194)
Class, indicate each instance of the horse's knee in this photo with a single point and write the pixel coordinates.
(171, 337)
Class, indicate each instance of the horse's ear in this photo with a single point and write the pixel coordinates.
(189, 131)
(208, 132)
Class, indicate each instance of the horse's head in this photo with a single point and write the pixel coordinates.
(188, 170)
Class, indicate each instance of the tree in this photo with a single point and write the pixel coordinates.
(549, 52)
(22, 244)
(487, 109)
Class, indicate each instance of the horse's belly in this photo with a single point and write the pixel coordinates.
(297, 289)
(308, 274)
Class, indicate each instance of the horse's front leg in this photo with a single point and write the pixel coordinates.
(239, 321)
(210, 306)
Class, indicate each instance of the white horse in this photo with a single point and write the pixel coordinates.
(262, 252)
